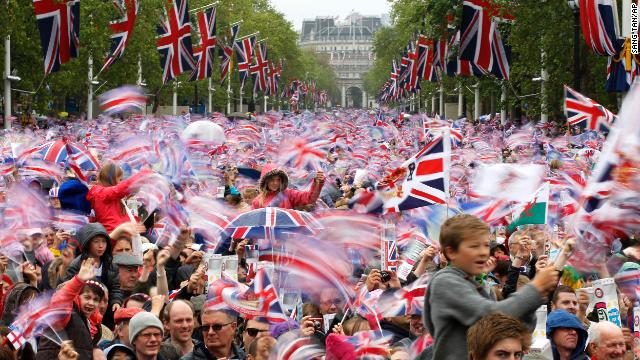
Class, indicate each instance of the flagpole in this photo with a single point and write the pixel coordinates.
(209, 109)
(90, 90)
(7, 82)
(544, 76)
(441, 102)
(175, 97)
(460, 101)
(204, 7)
(264, 109)
(476, 100)
(503, 104)
(229, 94)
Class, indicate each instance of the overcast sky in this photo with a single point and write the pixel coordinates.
(298, 10)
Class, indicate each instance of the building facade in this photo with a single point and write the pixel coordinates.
(348, 44)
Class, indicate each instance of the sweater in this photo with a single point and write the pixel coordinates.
(454, 301)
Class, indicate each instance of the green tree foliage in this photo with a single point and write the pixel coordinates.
(546, 27)
(54, 91)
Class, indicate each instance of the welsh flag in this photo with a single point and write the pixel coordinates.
(534, 211)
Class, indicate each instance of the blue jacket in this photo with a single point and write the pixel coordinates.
(564, 319)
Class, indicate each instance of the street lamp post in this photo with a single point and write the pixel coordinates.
(574, 5)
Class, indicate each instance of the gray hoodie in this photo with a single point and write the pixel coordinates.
(455, 301)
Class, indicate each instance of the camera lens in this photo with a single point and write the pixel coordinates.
(385, 276)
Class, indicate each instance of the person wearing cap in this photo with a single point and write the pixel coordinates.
(95, 244)
(145, 335)
(121, 317)
(128, 266)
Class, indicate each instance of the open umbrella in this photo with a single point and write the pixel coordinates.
(269, 222)
(65, 151)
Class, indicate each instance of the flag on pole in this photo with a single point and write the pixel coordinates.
(534, 211)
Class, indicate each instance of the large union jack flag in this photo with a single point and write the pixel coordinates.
(226, 53)
(244, 55)
(205, 51)
(599, 26)
(174, 42)
(586, 113)
(426, 69)
(121, 30)
(479, 42)
(426, 178)
(274, 77)
(59, 26)
(260, 70)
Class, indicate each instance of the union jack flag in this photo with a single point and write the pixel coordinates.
(226, 53)
(395, 72)
(478, 41)
(456, 66)
(426, 178)
(599, 26)
(68, 221)
(622, 69)
(205, 51)
(371, 344)
(244, 54)
(174, 42)
(426, 69)
(59, 26)
(121, 30)
(123, 99)
(391, 254)
(298, 348)
(274, 78)
(259, 70)
(441, 49)
(586, 113)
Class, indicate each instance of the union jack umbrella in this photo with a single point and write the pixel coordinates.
(174, 42)
(265, 222)
(59, 26)
(205, 51)
(121, 30)
(64, 151)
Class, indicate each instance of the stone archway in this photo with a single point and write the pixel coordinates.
(354, 97)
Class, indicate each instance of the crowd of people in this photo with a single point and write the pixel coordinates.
(115, 261)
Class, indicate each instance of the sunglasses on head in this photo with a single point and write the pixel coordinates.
(215, 327)
(253, 332)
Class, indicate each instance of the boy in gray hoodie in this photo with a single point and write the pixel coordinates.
(458, 296)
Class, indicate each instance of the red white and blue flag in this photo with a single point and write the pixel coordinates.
(123, 99)
(424, 178)
(174, 41)
(260, 70)
(226, 53)
(59, 26)
(599, 26)
(583, 112)
(244, 55)
(205, 52)
(121, 30)
(480, 40)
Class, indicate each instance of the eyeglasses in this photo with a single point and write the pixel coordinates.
(336, 301)
(253, 332)
(215, 327)
(148, 336)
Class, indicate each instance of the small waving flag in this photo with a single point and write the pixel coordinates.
(123, 99)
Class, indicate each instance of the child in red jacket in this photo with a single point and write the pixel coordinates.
(81, 324)
(106, 197)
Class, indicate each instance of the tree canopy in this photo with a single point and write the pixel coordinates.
(62, 89)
